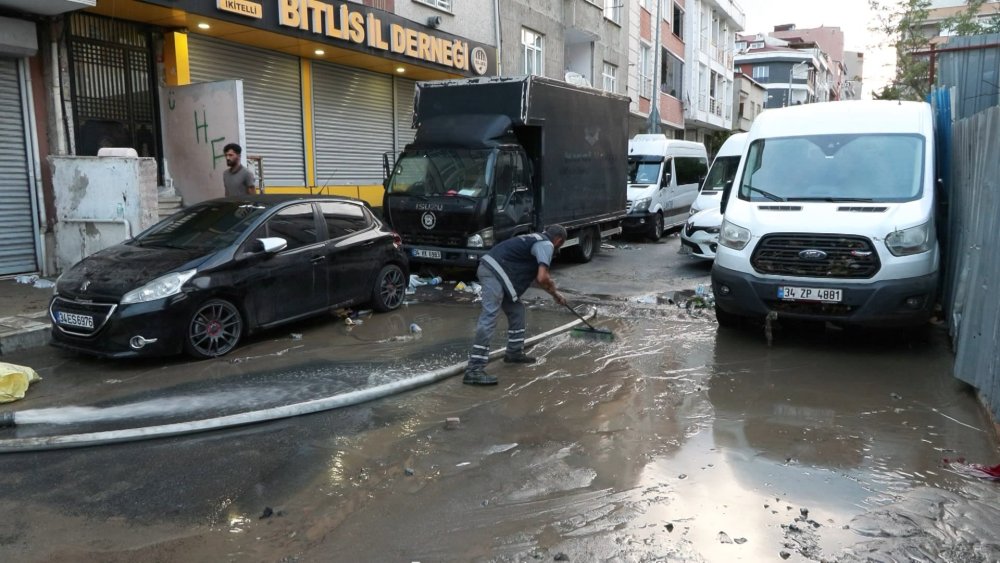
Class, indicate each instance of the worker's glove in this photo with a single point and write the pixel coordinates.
(560, 299)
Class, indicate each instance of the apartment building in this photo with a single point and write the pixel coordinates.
(711, 28)
(941, 10)
(656, 37)
(829, 41)
(792, 74)
(854, 68)
(748, 100)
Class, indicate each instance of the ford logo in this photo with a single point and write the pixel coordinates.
(812, 254)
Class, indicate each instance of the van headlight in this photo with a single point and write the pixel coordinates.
(733, 236)
(482, 239)
(911, 241)
(641, 204)
(163, 286)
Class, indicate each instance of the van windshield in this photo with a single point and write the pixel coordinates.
(643, 170)
(869, 167)
(443, 172)
(723, 170)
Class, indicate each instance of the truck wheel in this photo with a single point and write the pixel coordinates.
(726, 320)
(656, 229)
(583, 252)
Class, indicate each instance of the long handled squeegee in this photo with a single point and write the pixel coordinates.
(589, 330)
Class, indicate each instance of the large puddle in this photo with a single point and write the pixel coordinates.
(674, 442)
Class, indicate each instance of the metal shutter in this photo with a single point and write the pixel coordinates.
(404, 112)
(17, 230)
(353, 124)
(272, 102)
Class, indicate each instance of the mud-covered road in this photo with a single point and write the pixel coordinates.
(674, 442)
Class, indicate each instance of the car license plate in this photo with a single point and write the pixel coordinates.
(72, 319)
(421, 253)
(823, 294)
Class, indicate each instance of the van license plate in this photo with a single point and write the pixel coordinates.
(420, 253)
(72, 319)
(823, 294)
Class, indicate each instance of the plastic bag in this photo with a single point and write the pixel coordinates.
(14, 381)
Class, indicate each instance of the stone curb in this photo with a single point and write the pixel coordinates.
(21, 332)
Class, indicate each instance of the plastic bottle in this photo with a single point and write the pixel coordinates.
(415, 328)
(435, 280)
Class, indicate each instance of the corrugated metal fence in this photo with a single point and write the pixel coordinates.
(972, 242)
(971, 66)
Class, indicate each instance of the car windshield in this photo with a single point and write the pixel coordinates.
(643, 171)
(867, 168)
(208, 226)
(723, 171)
(443, 172)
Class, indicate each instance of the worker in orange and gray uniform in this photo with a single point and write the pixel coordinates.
(505, 274)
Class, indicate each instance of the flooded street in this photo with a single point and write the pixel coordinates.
(676, 441)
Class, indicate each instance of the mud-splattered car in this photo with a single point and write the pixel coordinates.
(204, 278)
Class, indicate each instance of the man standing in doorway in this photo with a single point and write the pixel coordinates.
(505, 274)
(237, 179)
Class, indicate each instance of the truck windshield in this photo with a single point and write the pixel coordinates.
(723, 171)
(443, 172)
(643, 171)
(869, 167)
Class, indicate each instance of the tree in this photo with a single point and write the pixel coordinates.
(905, 25)
(901, 22)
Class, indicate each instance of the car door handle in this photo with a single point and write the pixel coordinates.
(318, 259)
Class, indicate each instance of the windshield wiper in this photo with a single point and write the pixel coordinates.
(834, 199)
(768, 195)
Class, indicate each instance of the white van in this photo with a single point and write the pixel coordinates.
(663, 179)
(722, 172)
(831, 217)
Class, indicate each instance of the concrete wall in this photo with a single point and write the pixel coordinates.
(117, 195)
(472, 19)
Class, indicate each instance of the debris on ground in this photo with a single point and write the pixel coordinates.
(452, 422)
(724, 538)
(34, 281)
(896, 396)
(561, 557)
(408, 471)
(268, 512)
(296, 336)
(14, 381)
(669, 527)
(415, 328)
(976, 470)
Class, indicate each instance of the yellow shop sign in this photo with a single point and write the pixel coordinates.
(241, 7)
(346, 23)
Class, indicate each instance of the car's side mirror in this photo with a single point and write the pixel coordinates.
(726, 189)
(272, 245)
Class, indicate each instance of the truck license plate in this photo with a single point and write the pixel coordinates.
(420, 253)
(72, 319)
(825, 295)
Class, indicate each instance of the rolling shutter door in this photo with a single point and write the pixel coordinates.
(353, 124)
(272, 102)
(404, 112)
(17, 231)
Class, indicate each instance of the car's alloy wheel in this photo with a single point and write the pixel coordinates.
(390, 289)
(214, 330)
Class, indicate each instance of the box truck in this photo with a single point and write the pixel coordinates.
(497, 157)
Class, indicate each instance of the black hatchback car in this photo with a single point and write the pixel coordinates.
(204, 278)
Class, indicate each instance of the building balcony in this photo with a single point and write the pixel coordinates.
(732, 11)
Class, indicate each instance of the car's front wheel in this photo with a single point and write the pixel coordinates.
(390, 289)
(214, 329)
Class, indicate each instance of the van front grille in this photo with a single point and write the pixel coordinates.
(816, 256)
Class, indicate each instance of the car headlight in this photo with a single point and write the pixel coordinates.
(642, 204)
(911, 241)
(482, 239)
(733, 236)
(163, 286)
(692, 210)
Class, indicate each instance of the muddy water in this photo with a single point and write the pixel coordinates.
(671, 443)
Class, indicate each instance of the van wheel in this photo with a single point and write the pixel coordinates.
(656, 229)
(583, 252)
(727, 320)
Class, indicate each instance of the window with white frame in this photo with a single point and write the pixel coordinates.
(757, 45)
(610, 76)
(648, 4)
(671, 74)
(613, 10)
(646, 71)
(531, 45)
(678, 25)
(761, 72)
(442, 4)
(666, 7)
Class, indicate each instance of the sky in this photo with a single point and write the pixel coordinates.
(853, 17)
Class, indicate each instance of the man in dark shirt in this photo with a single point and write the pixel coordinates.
(237, 179)
(505, 273)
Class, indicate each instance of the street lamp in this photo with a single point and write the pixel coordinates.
(788, 100)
